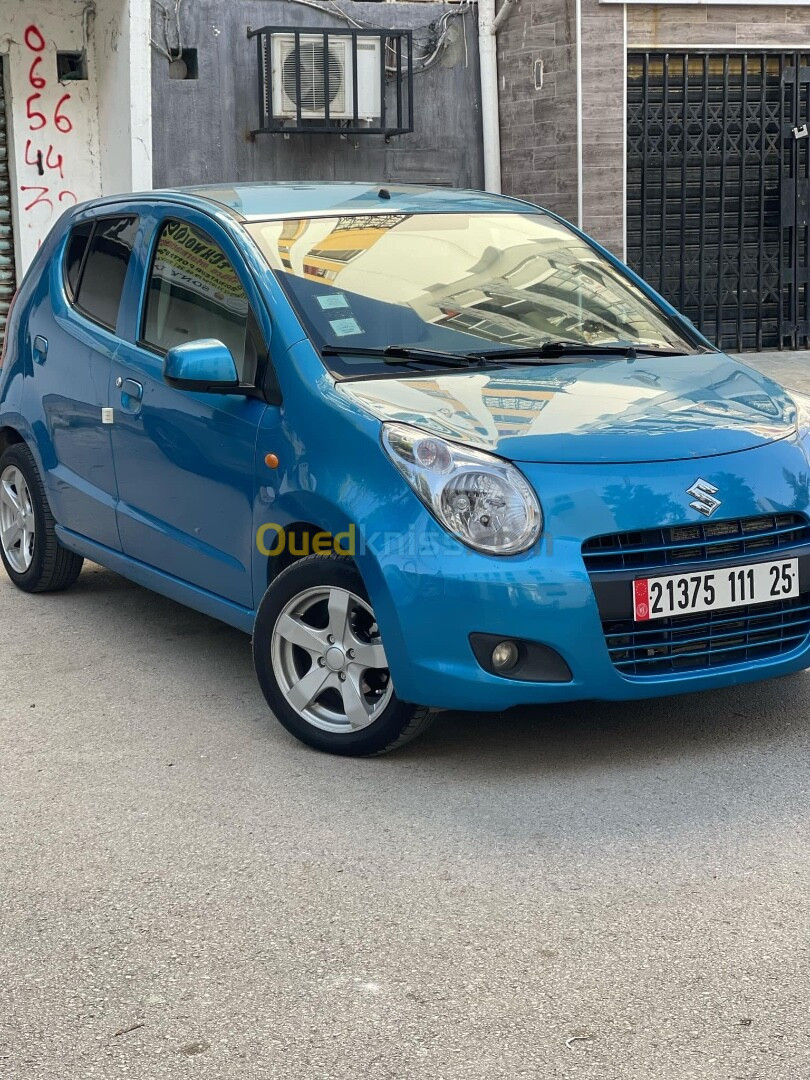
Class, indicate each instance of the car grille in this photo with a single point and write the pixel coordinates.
(708, 639)
(704, 542)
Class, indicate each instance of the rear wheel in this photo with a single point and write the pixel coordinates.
(322, 665)
(33, 557)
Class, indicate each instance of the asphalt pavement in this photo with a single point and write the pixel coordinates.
(590, 891)
(792, 369)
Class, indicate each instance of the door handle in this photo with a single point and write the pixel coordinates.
(40, 349)
(131, 389)
(131, 394)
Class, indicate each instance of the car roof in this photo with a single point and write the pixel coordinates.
(264, 200)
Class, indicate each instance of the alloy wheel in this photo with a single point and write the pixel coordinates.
(17, 525)
(329, 661)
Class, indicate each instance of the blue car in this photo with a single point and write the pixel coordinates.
(431, 449)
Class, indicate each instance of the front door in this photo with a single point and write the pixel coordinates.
(185, 462)
(73, 341)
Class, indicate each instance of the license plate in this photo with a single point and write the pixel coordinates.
(712, 590)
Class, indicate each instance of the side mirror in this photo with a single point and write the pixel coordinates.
(205, 366)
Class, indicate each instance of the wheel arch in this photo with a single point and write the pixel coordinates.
(295, 542)
(308, 514)
(8, 437)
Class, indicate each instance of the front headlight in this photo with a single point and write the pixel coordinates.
(478, 497)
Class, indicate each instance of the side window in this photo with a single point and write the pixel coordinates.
(101, 279)
(194, 292)
(74, 255)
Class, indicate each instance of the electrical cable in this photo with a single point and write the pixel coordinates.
(430, 49)
(167, 49)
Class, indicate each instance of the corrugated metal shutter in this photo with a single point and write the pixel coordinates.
(6, 238)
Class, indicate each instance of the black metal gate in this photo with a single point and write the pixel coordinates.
(718, 190)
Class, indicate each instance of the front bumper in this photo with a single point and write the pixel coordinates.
(431, 596)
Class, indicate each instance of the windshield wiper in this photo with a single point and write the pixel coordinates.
(550, 352)
(402, 354)
(563, 347)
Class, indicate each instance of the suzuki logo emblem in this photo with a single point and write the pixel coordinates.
(704, 496)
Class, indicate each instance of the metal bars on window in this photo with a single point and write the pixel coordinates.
(346, 81)
(718, 190)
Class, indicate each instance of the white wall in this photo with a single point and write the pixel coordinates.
(31, 32)
(123, 58)
(94, 141)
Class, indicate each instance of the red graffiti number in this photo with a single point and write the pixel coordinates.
(34, 39)
(37, 81)
(38, 157)
(40, 200)
(57, 164)
(35, 114)
(63, 124)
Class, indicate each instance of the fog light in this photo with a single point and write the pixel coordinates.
(505, 655)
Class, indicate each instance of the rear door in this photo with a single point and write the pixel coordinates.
(185, 461)
(74, 338)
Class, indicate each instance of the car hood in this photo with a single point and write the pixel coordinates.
(649, 409)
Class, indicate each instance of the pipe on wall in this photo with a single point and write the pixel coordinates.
(580, 189)
(488, 62)
(503, 14)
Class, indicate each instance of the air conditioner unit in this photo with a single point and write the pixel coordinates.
(304, 70)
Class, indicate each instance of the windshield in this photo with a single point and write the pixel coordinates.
(455, 283)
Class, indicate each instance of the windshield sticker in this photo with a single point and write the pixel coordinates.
(333, 300)
(345, 327)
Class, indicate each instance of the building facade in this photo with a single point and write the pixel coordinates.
(75, 115)
(101, 96)
(677, 135)
(205, 122)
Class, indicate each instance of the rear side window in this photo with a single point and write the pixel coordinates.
(74, 255)
(194, 292)
(100, 280)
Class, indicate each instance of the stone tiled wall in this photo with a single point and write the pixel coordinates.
(539, 126)
(603, 122)
(749, 27)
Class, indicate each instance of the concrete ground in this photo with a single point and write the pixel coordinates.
(792, 369)
(601, 891)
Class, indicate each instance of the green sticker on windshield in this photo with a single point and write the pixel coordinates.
(345, 327)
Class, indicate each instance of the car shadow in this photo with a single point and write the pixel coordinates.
(538, 740)
(583, 734)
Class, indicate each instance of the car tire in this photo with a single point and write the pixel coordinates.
(33, 557)
(321, 665)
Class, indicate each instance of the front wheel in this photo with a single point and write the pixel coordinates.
(321, 664)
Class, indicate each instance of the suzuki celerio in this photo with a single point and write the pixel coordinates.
(432, 449)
